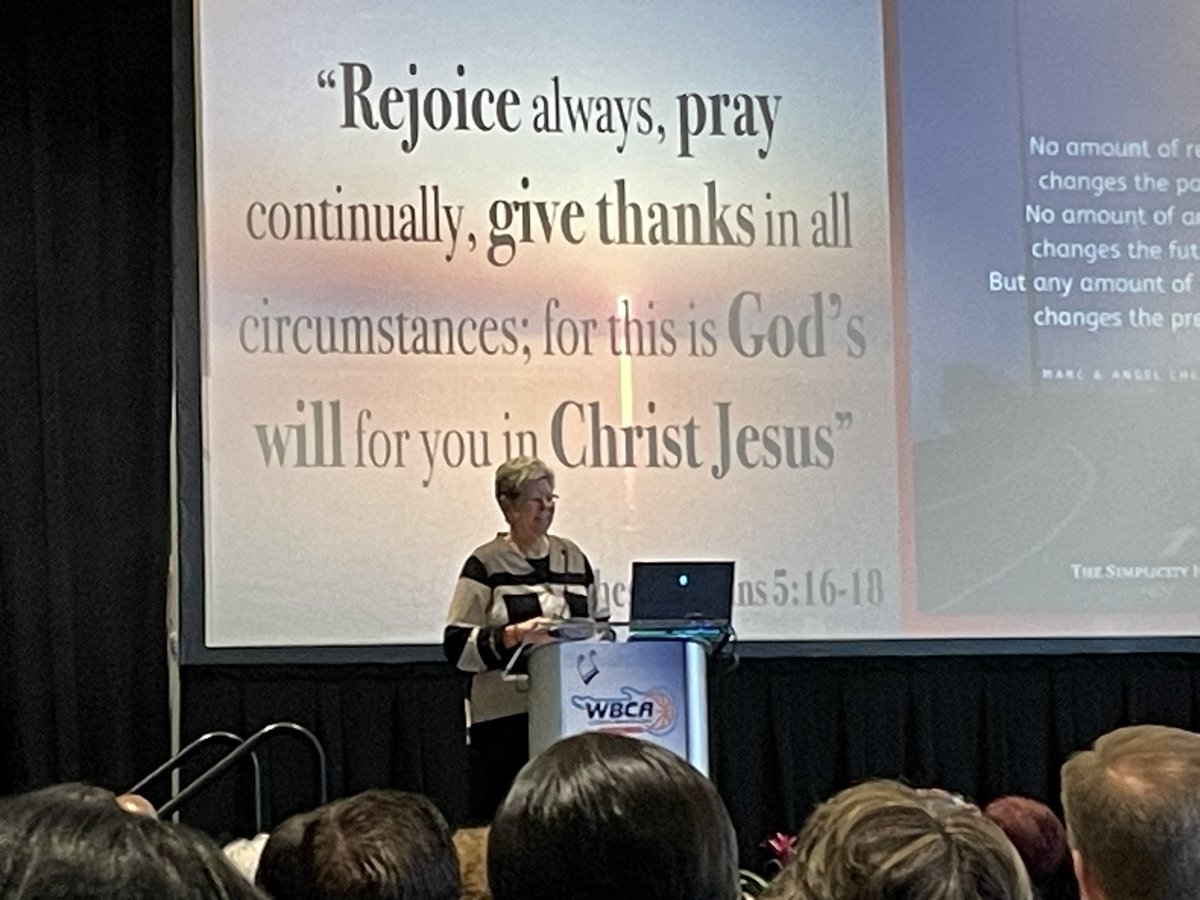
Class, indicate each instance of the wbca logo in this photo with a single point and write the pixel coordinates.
(634, 712)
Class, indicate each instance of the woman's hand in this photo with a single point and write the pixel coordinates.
(531, 631)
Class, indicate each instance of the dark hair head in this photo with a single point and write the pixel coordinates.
(883, 839)
(1132, 805)
(282, 870)
(382, 845)
(1036, 832)
(67, 792)
(64, 844)
(606, 817)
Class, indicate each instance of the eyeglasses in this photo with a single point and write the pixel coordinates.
(541, 502)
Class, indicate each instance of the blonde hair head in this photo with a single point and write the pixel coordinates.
(883, 839)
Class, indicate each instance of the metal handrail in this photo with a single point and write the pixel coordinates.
(245, 747)
(178, 759)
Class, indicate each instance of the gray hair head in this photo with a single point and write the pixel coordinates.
(513, 474)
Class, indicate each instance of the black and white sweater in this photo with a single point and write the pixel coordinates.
(498, 586)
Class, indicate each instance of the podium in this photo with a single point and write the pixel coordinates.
(651, 689)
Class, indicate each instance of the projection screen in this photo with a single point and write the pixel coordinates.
(892, 304)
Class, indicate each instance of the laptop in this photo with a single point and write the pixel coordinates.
(681, 599)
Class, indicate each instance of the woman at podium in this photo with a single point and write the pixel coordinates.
(510, 592)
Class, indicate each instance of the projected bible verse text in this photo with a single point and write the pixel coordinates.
(330, 431)
(623, 213)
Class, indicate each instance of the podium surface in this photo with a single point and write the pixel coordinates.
(651, 689)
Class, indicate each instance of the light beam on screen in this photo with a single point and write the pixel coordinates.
(625, 364)
(625, 387)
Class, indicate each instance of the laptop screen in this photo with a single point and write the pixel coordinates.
(664, 592)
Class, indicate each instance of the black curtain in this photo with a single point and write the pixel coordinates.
(397, 726)
(85, 377)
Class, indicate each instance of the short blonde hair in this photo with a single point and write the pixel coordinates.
(513, 474)
(882, 838)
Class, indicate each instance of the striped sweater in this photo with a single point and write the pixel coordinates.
(498, 586)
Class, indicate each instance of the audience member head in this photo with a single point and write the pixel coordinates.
(67, 792)
(1038, 835)
(382, 845)
(1132, 807)
(471, 846)
(282, 871)
(883, 839)
(63, 844)
(78, 792)
(606, 817)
